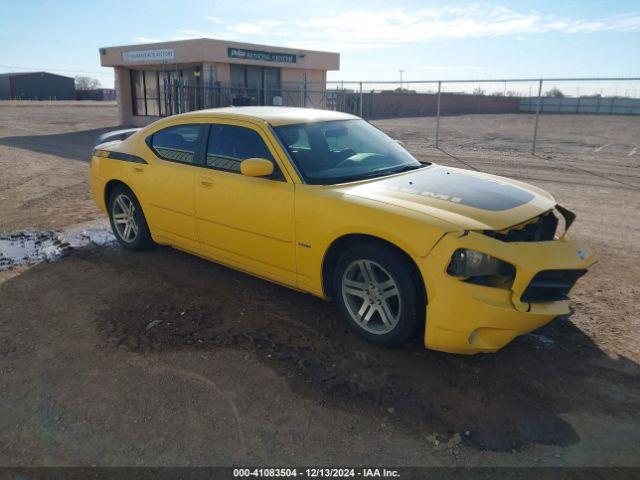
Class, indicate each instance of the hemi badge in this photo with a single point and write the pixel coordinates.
(305, 245)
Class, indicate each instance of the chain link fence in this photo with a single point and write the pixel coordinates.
(437, 98)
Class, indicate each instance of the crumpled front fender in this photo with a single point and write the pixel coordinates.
(467, 318)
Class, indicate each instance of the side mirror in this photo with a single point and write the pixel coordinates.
(256, 167)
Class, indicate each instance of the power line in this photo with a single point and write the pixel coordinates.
(31, 69)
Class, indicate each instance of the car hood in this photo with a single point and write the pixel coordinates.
(465, 199)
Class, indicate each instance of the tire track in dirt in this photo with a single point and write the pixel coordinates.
(499, 402)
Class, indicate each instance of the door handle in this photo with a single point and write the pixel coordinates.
(206, 182)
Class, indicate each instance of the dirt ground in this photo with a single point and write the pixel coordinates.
(44, 152)
(109, 357)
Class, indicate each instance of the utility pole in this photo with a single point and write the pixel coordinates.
(401, 72)
(438, 115)
(535, 128)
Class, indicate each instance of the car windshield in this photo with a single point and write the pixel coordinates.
(343, 151)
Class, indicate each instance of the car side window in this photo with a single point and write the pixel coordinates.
(177, 143)
(229, 145)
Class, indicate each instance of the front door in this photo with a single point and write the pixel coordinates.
(247, 222)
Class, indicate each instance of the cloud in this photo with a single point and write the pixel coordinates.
(188, 34)
(146, 39)
(260, 27)
(373, 29)
(395, 26)
(619, 23)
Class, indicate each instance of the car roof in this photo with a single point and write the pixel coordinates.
(275, 116)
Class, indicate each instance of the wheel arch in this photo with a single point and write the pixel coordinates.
(343, 242)
(147, 236)
(110, 187)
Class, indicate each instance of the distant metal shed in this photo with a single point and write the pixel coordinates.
(36, 86)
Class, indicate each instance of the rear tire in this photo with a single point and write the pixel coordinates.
(377, 294)
(127, 219)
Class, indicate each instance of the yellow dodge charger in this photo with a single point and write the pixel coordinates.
(325, 203)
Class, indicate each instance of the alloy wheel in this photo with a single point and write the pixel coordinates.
(124, 218)
(372, 296)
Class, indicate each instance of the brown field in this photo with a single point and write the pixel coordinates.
(159, 358)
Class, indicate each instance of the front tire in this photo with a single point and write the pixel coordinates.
(377, 294)
(127, 219)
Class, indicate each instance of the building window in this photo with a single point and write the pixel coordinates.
(137, 92)
(159, 93)
(152, 93)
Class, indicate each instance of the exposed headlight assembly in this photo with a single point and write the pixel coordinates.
(477, 267)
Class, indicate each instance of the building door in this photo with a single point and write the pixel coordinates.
(254, 85)
(272, 86)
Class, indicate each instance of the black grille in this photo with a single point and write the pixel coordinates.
(544, 228)
(551, 285)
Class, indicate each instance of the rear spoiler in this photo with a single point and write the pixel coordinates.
(115, 135)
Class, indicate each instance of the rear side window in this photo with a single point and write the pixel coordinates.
(228, 145)
(177, 144)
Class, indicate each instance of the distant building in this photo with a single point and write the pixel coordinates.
(36, 86)
(98, 94)
(160, 79)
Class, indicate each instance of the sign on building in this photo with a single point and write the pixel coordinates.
(245, 54)
(137, 56)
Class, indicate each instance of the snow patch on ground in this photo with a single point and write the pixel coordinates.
(30, 247)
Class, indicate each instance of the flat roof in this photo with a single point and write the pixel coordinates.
(17, 74)
(209, 50)
(275, 116)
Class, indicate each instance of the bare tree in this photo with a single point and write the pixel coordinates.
(555, 92)
(87, 83)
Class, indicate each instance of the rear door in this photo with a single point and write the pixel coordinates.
(170, 182)
(247, 222)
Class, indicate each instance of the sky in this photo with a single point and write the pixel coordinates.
(376, 39)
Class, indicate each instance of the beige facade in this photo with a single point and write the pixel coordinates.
(159, 79)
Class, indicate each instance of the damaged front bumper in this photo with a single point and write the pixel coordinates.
(468, 318)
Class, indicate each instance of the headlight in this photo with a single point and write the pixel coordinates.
(470, 263)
